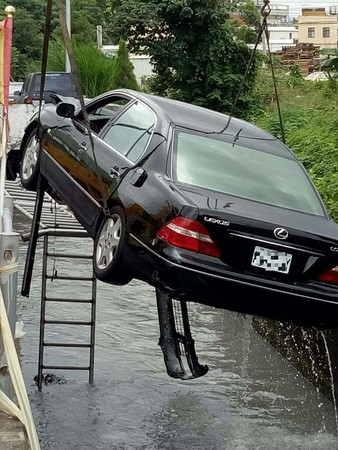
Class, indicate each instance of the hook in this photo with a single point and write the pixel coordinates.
(265, 10)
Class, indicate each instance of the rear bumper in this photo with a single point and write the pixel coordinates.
(205, 281)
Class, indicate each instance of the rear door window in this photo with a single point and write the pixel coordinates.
(130, 133)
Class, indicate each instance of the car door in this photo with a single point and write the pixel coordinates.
(24, 89)
(92, 166)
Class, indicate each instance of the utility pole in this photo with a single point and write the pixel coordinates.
(99, 36)
(68, 21)
(263, 37)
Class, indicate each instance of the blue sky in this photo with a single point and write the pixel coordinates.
(296, 5)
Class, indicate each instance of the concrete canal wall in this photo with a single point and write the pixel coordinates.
(314, 353)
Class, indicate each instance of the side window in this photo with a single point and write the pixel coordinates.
(110, 109)
(26, 84)
(130, 133)
(311, 32)
(102, 112)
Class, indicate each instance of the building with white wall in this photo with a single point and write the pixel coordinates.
(141, 63)
(280, 37)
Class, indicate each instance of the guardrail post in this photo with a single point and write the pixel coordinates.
(9, 255)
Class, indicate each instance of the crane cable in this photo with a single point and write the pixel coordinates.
(265, 12)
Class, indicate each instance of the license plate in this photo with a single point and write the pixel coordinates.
(271, 260)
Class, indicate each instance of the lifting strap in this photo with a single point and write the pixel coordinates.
(69, 49)
(76, 77)
(44, 59)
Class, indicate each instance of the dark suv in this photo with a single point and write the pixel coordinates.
(61, 83)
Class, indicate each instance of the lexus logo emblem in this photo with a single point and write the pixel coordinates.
(281, 233)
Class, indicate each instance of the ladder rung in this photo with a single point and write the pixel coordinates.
(67, 322)
(66, 367)
(57, 344)
(67, 255)
(63, 277)
(68, 300)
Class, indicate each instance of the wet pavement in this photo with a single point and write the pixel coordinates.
(251, 398)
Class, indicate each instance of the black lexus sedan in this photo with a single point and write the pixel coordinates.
(205, 208)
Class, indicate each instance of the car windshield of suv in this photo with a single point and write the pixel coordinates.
(60, 83)
(245, 172)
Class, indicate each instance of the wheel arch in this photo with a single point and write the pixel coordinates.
(111, 204)
(33, 125)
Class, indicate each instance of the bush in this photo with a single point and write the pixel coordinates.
(123, 76)
(95, 69)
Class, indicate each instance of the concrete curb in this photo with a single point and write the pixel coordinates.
(12, 434)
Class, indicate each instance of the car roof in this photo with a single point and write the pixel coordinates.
(195, 117)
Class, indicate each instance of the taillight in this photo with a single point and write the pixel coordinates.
(188, 234)
(28, 100)
(329, 276)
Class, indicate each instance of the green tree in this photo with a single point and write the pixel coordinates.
(244, 22)
(27, 42)
(196, 58)
(85, 16)
(29, 25)
(123, 75)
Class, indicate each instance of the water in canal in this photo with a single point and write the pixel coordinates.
(250, 399)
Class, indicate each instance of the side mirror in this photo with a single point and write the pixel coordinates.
(16, 93)
(65, 110)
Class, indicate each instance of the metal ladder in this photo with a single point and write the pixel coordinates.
(46, 299)
(51, 219)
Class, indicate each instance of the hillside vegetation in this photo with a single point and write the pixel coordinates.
(309, 113)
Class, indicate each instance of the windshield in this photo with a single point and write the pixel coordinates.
(244, 172)
(60, 83)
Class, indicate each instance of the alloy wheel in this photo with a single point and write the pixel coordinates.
(30, 158)
(108, 241)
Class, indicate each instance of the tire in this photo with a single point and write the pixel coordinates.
(30, 162)
(108, 249)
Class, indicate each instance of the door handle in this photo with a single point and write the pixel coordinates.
(82, 147)
(114, 171)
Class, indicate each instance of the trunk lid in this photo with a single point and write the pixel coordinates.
(267, 241)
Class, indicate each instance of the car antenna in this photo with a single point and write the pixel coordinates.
(236, 137)
(265, 12)
(76, 77)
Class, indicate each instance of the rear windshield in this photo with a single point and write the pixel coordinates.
(60, 83)
(244, 172)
